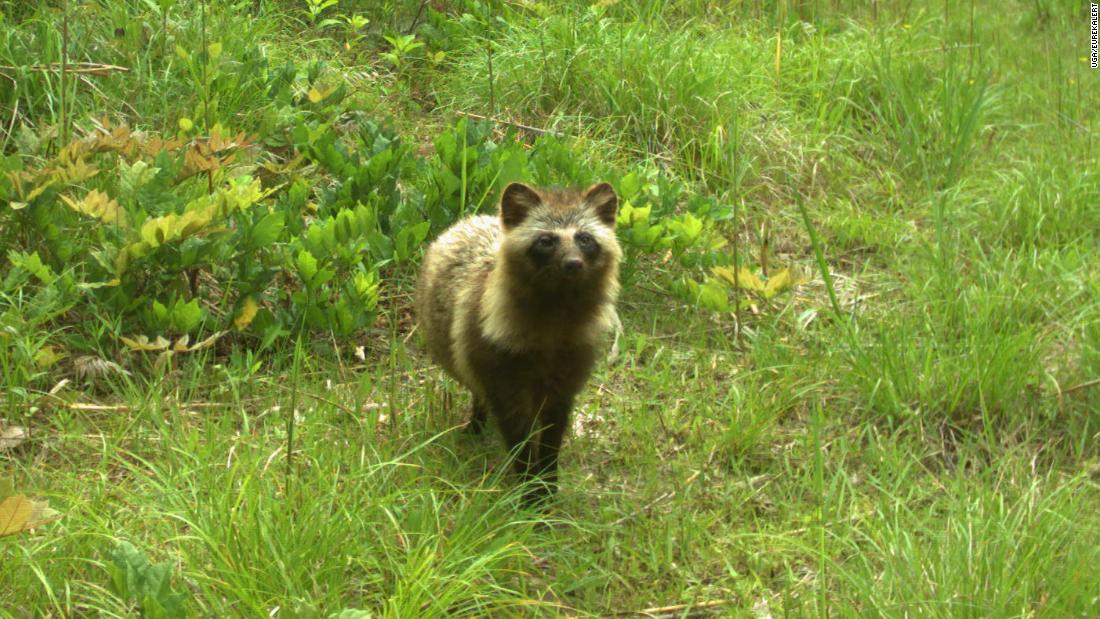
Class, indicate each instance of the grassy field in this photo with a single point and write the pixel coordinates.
(912, 431)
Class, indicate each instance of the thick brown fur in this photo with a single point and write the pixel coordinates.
(513, 307)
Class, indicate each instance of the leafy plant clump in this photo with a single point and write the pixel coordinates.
(183, 235)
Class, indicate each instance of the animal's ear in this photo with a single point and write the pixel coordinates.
(516, 202)
(601, 198)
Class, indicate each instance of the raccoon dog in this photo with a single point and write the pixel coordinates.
(513, 307)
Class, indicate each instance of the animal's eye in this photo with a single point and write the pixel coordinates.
(585, 239)
(547, 241)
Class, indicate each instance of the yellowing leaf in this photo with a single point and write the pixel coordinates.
(159, 230)
(15, 512)
(142, 343)
(18, 513)
(778, 52)
(96, 204)
(317, 95)
(186, 124)
(781, 281)
(247, 313)
(107, 284)
(777, 283)
(194, 161)
(76, 171)
(47, 356)
(119, 139)
(195, 220)
(37, 190)
(215, 50)
(181, 343)
(163, 359)
(743, 279)
(208, 342)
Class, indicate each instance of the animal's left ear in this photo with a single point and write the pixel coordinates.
(516, 202)
(601, 198)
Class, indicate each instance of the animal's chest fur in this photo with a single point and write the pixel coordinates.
(550, 375)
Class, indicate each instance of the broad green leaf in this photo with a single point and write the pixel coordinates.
(160, 311)
(149, 585)
(187, 316)
(307, 266)
(33, 264)
(323, 277)
(267, 230)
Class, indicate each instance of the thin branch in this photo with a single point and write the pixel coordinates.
(556, 134)
(1084, 385)
(416, 19)
(674, 609)
(312, 396)
(85, 68)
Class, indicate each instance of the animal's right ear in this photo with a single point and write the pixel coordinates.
(516, 202)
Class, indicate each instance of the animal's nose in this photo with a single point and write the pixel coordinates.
(572, 265)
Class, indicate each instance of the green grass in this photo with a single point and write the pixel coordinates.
(915, 435)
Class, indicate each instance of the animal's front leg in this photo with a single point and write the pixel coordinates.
(516, 421)
(553, 421)
(477, 416)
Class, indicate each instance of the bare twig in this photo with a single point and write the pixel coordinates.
(82, 68)
(674, 609)
(84, 406)
(416, 19)
(492, 87)
(556, 134)
(666, 495)
(14, 115)
(314, 397)
(1084, 385)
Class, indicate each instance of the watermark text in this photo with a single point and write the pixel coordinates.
(1094, 19)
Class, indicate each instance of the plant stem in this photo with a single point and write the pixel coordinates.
(64, 70)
